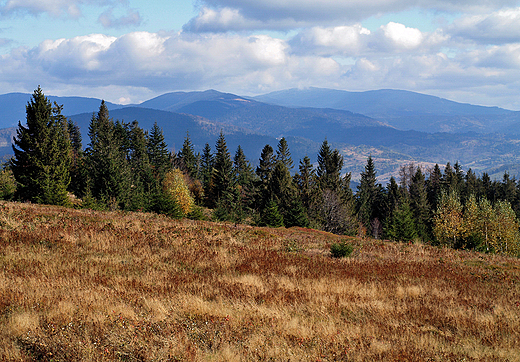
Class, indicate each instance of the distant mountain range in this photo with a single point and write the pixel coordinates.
(395, 127)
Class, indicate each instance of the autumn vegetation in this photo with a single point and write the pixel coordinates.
(149, 255)
(84, 285)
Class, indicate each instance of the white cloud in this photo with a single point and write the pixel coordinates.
(225, 15)
(141, 64)
(357, 41)
(108, 20)
(497, 28)
(401, 36)
(344, 40)
(56, 8)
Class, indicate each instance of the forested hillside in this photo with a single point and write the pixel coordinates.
(126, 167)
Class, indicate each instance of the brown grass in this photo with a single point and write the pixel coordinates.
(94, 286)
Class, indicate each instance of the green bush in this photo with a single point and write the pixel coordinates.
(341, 250)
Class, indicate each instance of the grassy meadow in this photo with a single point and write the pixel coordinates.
(81, 285)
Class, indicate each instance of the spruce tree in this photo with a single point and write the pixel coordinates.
(109, 172)
(244, 178)
(158, 154)
(264, 171)
(368, 196)
(305, 181)
(143, 182)
(206, 165)
(188, 158)
(42, 153)
(283, 154)
(330, 164)
(223, 191)
(419, 205)
(402, 226)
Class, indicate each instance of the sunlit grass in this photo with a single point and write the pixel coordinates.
(93, 286)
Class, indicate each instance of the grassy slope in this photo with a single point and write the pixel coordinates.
(93, 286)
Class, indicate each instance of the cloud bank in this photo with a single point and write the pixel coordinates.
(473, 58)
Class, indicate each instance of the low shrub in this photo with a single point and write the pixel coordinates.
(341, 250)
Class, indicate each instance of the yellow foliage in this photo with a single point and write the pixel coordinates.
(174, 185)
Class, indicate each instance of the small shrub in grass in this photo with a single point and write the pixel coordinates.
(341, 250)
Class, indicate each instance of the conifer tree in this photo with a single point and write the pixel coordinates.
(143, 182)
(271, 216)
(42, 153)
(78, 169)
(283, 155)
(419, 204)
(330, 164)
(305, 181)
(369, 195)
(188, 158)
(109, 172)
(264, 171)
(223, 190)
(206, 165)
(244, 178)
(158, 154)
(434, 187)
(402, 225)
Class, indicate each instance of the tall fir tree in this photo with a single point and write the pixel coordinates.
(330, 164)
(42, 153)
(305, 181)
(188, 159)
(419, 205)
(158, 154)
(206, 166)
(244, 178)
(368, 196)
(109, 172)
(222, 178)
(264, 171)
(283, 154)
(78, 169)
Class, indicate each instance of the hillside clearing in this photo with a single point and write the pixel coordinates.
(93, 286)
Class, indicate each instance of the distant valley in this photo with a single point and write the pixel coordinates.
(395, 127)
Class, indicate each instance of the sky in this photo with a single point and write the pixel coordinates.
(128, 51)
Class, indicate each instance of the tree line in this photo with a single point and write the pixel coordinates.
(125, 167)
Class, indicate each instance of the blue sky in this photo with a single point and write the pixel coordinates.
(128, 51)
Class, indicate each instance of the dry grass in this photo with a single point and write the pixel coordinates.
(95, 286)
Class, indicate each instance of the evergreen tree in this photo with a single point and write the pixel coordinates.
(368, 196)
(42, 153)
(109, 172)
(264, 172)
(402, 226)
(222, 178)
(143, 182)
(434, 187)
(419, 204)
(271, 216)
(206, 165)
(330, 164)
(244, 178)
(78, 169)
(471, 186)
(507, 190)
(305, 181)
(282, 189)
(158, 154)
(188, 158)
(283, 155)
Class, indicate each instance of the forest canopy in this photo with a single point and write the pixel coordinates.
(125, 167)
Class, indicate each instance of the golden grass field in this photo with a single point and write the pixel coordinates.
(80, 285)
